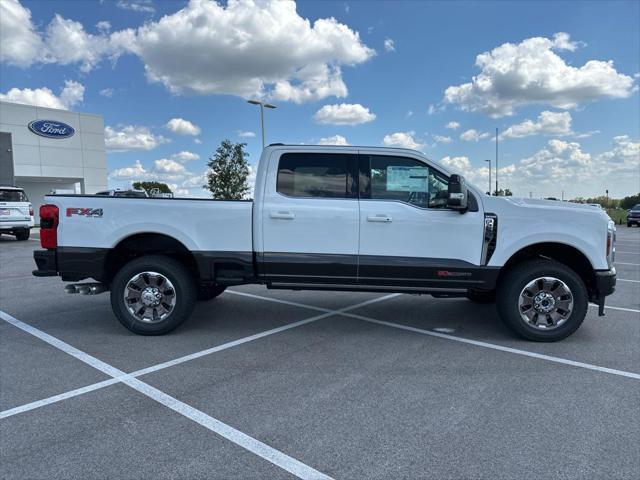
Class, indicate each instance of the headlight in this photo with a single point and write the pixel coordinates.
(611, 243)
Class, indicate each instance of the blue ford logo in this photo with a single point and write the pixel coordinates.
(51, 129)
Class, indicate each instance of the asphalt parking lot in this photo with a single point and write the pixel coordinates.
(271, 384)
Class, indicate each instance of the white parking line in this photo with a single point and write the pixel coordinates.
(626, 280)
(624, 263)
(493, 346)
(243, 440)
(628, 253)
(89, 388)
(617, 308)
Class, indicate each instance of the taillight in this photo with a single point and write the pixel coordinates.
(30, 211)
(49, 216)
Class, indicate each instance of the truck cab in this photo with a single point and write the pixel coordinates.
(340, 218)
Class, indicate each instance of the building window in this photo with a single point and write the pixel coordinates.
(317, 175)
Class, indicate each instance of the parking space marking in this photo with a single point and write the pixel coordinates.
(625, 280)
(241, 439)
(96, 386)
(478, 343)
(628, 253)
(617, 308)
(623, 263)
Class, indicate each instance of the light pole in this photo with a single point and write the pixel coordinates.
(497, 162)
(262, 107)
(489, 176)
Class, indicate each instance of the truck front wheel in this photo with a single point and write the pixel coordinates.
(542, 300)
(152, 295)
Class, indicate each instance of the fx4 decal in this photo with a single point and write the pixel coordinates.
(85, 212)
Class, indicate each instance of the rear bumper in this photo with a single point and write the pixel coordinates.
(46, 262)
(17, 225)
(605, 285)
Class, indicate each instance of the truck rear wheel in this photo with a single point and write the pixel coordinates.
(542, 300)
(23, 234)
(152, 295)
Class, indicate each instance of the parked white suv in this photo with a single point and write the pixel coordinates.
(16, 212)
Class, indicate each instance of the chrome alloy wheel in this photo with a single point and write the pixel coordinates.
(150, 297)
(545, 303)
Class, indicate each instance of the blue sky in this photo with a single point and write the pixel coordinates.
(559, 79)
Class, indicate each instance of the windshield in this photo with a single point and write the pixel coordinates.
(636, 208)
(13, 196)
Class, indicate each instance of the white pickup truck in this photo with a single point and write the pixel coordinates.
(336, 218)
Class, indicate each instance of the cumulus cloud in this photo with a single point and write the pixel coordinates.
(145, 6)
(249, 48)
(246, 134)
(131, 137)
(548, 123)
(168, 166)
(532, 72)
(452, 125)
(344, 114)
(442, 139)
(20, 43)
(402, 140)
(334, 140)
(473, 135)
(182, 127)
(185, 156)
(389, 45)
(72, 94)
(106, 92)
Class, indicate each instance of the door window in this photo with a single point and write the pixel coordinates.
(407, 180)
(317, 175)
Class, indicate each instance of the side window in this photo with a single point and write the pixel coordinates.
(407, 180)
(317, 175)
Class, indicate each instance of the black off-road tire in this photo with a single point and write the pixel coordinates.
(482, 296)
(184, 283)
(515, 280)
(23, 235)
(209, 292)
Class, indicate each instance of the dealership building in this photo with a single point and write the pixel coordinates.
(44, 150)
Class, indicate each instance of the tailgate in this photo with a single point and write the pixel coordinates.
(14, 212)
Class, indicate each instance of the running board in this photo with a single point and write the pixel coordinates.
(443, 292)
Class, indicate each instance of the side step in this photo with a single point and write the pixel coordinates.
(86, 288)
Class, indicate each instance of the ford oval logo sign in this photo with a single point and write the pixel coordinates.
(51, 129)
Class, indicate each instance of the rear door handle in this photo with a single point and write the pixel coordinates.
(282, 215)
(380, 217)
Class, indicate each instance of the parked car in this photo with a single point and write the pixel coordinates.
(336, 218)
(633, 216)
(16, 212)
(117, 192)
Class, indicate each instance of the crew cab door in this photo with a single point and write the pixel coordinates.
(407, 235)
(310, 218)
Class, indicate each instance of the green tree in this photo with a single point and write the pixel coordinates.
(149, 186)
(228, 172)
(630, 201)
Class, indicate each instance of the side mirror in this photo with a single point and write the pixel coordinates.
(457, 193)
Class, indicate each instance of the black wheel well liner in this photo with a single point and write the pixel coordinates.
(560, 252)
(148, 243)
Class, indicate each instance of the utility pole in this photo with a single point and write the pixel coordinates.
(496, 161)
(489, 161)
(262, 107)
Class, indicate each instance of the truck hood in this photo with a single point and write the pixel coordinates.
(550, 205)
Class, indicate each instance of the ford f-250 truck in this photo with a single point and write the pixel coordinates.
(336, 218)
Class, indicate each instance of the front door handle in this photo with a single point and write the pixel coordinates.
(380, 217)
(282, 215)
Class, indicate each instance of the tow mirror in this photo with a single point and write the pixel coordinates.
(457, 193)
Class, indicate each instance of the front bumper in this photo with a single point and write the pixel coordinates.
(46, 262)
(605, 285)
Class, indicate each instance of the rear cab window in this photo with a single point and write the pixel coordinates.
(317, 175)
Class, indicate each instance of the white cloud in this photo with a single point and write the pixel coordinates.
(473, 135)
(131, 137)
(344, 114)
(334, 140)
(266, 48)
(548, 123)
(145, 6)
(103, 26)
(442, 139)
(531, 72)
(197, 141)
(389, 45)
(402, 140)
(432, 109)
(168, 166)
(20, 43)
(182, 127)
(106, 92)
(246, 134)
(72, 94)
(185, 156)
(452, 125)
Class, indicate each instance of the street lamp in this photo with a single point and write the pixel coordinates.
(263, 105)
(489, 176)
